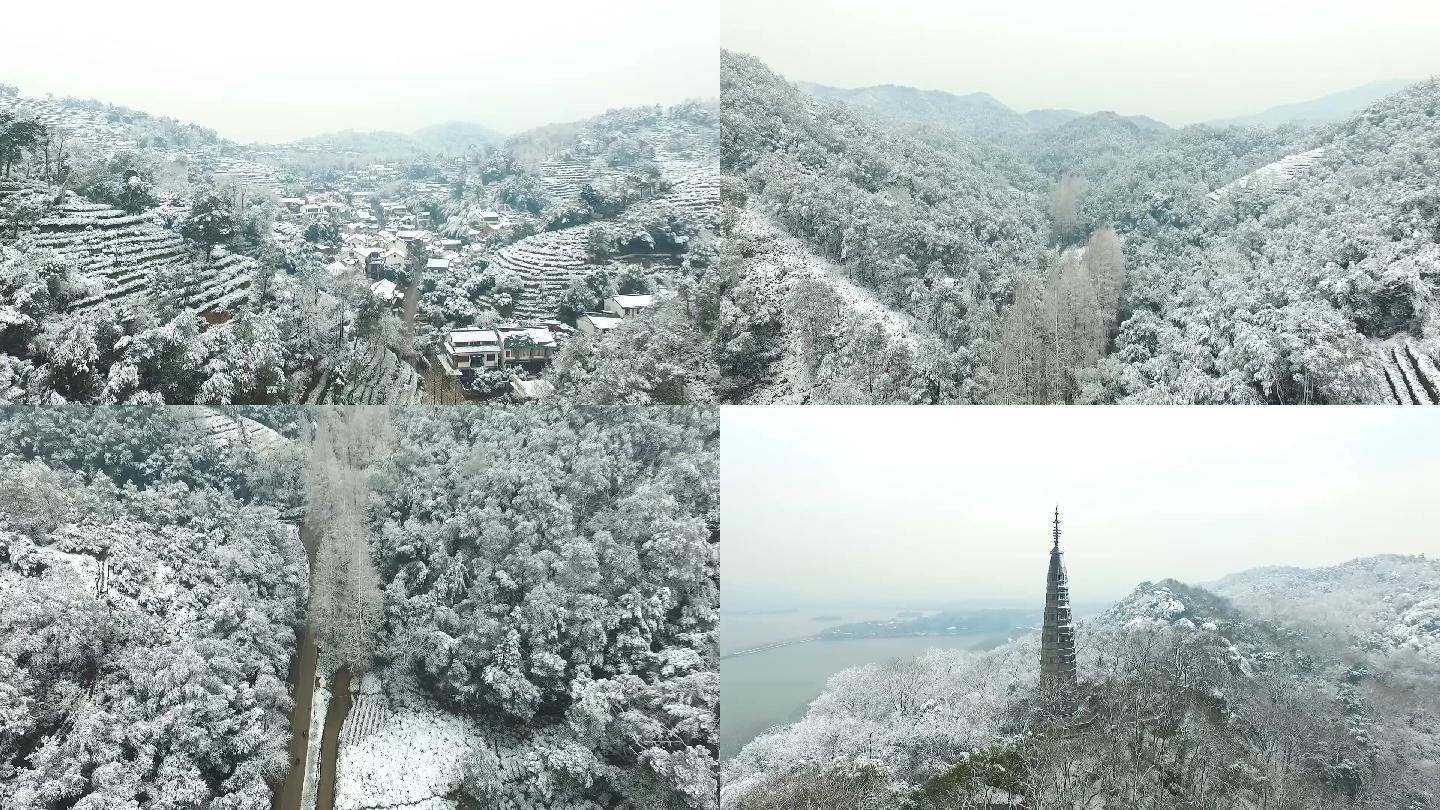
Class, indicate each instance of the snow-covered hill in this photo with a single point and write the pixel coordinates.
(839, 344)
(1379, 604)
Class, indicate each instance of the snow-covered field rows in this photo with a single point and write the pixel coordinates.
(91, 128)
(700, 193)
(118, 250)
(385, 380)
(562, 178)
(223, 429)
(241, 171)
(546, 263)
(122, 253)
(682, 151)
(1410, 372)
(369, 712)
(1271, 175)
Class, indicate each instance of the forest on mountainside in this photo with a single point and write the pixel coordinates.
(555, 572)
(149, 584)
(1104, 259)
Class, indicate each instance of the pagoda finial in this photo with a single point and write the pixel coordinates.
(1057, 525)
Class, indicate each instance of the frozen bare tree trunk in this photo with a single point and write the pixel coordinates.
(1106, 263)
(345, 598)
(1065, 206)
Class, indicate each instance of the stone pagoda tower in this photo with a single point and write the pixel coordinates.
(1057, 638)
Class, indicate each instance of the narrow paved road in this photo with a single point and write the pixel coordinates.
(302, 689)
(330, 740)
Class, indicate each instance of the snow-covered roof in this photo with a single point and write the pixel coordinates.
(438, 264)
(531, 389)
(634, 301)
(537, 334)
(384, 288)
(472, 341)
(602, 322)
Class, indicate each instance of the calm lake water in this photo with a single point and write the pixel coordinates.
(766, 689)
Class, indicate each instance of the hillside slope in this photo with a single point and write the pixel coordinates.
(940, 228)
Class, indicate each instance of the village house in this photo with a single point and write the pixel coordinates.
(370, 260)
(626, 306)
(388, 292)
(468, 350)
(592, 322)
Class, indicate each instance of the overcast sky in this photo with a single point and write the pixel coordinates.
(1178, 62)
(921, 506)
(269, 70)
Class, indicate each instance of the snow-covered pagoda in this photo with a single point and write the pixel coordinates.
(1057, 637)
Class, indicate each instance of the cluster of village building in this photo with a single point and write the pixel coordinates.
(381, 240)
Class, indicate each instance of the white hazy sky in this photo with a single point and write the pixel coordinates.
(1178, 62)
(921, 506)
(270, 71)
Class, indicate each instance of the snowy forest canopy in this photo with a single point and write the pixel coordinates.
(541, 604)
(1103, 259)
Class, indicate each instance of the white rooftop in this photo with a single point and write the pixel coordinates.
(602, 322)
(384, 288)
(631, 301)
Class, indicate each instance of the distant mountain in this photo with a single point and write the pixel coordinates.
(457, 137)
(1320, 111)
(1050, 119)
(1088, 141)
(976, 114)
(454, 137)
(364, 141)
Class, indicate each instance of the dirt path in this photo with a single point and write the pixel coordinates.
(340, 702)
(302, 689)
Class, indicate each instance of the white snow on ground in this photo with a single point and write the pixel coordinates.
(797, 260)
(399, 750)
(319, 704)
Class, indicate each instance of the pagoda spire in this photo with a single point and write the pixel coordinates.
(1057, 636)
